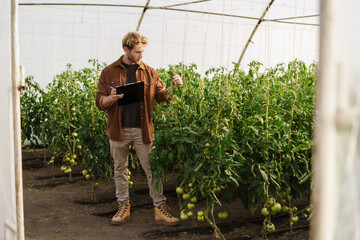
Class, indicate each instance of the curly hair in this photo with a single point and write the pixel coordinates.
(133, 38)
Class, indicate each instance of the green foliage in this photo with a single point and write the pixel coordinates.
(236, 134)
(229, 134)
(67, 121)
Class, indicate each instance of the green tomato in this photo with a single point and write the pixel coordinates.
(74, 134)
(284, 209)
(265, 212)
(84, 172)
(186, 196)
(270, 227)
(190, 214)
(200, 213)
(96, 185)
(193, 199)
(179, 190)
(308, 209)
(190, 206)
(217, 189)
(223, 215)
(184, 217)
(200, 218)
(88, 176)
(271, 201)
(295, 219)
(283, 194)
(276, 208)
(190, 185)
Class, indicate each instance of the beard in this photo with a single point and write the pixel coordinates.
(133, 60)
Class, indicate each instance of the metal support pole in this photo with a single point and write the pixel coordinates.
(16, 86)
(253, 32)
(142, 15)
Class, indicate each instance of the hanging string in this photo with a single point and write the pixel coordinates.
(222, 36)
(302, 30)
(268, 40)
(118, 35)
(82, 16)
(202, 37)
(294, 46)
(98, 32)
(64, 37)
(185, 36)
(164, 27)
(261, 38)
(230, 36)
(50, 42)
(73, 26)
(205, 44)
(173, 44)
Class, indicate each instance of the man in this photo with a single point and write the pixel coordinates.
(132, 122)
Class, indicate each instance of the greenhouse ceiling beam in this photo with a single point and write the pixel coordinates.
(162, 8)
(289, 18)
(142, 15)
(187, 3)
(253, 32)
(295, 23)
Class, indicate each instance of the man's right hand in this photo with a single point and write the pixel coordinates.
(111, 99)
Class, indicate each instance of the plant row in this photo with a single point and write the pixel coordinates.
(229, 134)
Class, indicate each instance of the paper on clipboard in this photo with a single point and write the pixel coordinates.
(133, 92)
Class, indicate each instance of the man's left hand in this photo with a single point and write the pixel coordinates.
(177, 80)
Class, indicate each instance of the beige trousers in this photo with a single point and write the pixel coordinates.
(120, 152)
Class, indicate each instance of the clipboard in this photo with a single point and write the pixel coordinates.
(133, 92)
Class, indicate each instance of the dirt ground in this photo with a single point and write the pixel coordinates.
(56, 208)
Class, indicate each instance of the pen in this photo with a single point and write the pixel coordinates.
(112, 87)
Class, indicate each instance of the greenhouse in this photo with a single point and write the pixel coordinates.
(181, 119)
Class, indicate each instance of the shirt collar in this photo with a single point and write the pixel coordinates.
(119, 63)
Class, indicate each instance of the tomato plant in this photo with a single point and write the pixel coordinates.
(228, 133)
(235, 134)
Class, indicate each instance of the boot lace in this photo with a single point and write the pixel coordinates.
(122, 209)
(164, 209)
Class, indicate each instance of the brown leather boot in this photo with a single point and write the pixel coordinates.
(122, 215)
(163, 217)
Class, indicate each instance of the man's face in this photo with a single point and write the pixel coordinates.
(135, 55)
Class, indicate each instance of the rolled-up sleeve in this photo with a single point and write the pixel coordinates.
(161, 93)
(102, 91)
